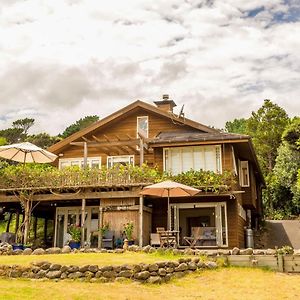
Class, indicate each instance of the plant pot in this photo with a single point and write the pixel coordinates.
(74, 245)
(18, 247)
(131, 242)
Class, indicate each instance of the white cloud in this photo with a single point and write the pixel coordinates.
(62, 60)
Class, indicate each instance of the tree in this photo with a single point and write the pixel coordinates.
(237, 126)
(23, 124)
(3, 141)
(266, 126)
(43, 140)
(78, 125)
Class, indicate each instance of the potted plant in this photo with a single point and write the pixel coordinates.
(128, 231)
(104, 229)
(75, 232)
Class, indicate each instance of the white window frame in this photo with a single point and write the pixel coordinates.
(130, 158)
(137, 125)
(246, 163)
(80, 160)
(218, 151)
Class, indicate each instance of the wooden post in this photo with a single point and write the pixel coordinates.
(17, 222)
(26, 221)
(100, 221)
(35, 221)
(280, 262)
(85, 154)
(82, 222)
(8, 222)
(141, 152)
(45, 230)
(141, 221)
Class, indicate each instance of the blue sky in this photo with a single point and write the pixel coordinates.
(62, 60)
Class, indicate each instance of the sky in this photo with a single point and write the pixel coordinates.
(61, 60)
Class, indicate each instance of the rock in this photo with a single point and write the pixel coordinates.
(93, 268)
(106, 268)
(153, 268)
(45, 266)
(103, 251)
(192, 266)
(98, 274)
(196, 260)
(126, 274)
(248, 251)
(66, 249)
(271, 252)
(224, 252)
(41, 274)
(154, 280)
(178, 274)
(38, 251)
(17, 252)
(133, 248)
(53, 274)
(103, 279)
(170, 264)
(73, 269)
(212, 252)
(64, 268)
(55, 267)
(53, 250)
(119, 251)
(189, 251)
(169, 270)
(63, 275)
(84, 268)
(15, 273)
(39, 263)
(144, 275)
(162, 272)
(297, 252)
(89, 274)
(153, 274)
(27, 251)
(211, 265)
(152, 250)
(181, 267)
(109, 274)
(176, 252)
(235, 251)
(146, 249)
(259, 252)
(136, 269)
(201, 265)
(75, 275)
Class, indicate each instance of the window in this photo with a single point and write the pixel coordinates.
(142, 126)
(182, 159)
(121, 159)
(244, 174)
(92, 162)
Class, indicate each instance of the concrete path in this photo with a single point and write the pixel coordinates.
(284, 232)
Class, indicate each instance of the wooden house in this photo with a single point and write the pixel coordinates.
(153, 134)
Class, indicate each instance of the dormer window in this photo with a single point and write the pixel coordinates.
(244, 173)
(142, 126)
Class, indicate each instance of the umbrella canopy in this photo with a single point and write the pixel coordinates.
(26, 153)
(169, 189)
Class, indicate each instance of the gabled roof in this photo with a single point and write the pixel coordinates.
(137, 104)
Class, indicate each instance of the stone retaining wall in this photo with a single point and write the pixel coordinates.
(159, 272)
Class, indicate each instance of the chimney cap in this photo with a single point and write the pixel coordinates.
(166, 103)
(165, 96)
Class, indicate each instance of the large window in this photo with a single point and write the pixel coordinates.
(120, 160)
(142, 126)
(182, 159)
(244, 173)
(92, 162)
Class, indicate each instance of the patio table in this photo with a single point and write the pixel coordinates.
(168, 238)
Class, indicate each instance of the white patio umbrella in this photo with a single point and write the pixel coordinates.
(26, 153)
(169, 189)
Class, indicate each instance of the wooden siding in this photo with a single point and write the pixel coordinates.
(250, 195)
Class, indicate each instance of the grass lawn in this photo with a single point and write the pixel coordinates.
(80, 259)
(225, 283)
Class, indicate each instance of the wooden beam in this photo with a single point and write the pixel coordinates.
(141, 223)
(100, 221)
(141, 152)
(85, 154)
(74, 196)
(133, 142)
(82, 222)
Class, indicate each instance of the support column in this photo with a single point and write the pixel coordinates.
(8, 222)
(82, 222)
(85, 154)
(26, 221)
(100, 221)
(45, 230)
(17, 222)
(141, 152)
(141, 221)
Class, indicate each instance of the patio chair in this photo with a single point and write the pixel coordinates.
(108, 239)
(197, 233)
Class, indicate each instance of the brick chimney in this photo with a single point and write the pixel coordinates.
(165, 104)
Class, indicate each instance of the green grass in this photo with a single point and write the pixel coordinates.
(100, 259)
(225, 284)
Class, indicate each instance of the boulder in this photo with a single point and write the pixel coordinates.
(271, 252)
(201, 265)
(235, 251)
(41, 274)
(248, 251)
(181, 267)
(75, 275)
(119, 251)
(45, 266)
(55, 267)
(153, 268)
(89, 274)
(162, 272)
(144, 275)
(211, 265)
(154, 280)
(27, 251)
(73, 269)
(169, 270)
(93, 268)
(259, 252)
(192, 266)
(84, 268)
(17, 252)
(109, 274)
(106, 268)
(98, 274)
(66, 249)
(38, 251)
(146, 248)
(53, 250)
(53, 274)
(125, 273)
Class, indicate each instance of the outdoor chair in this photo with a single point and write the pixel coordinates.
(204, 236)
(108, 239)
(154, 239)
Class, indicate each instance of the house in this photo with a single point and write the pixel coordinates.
(153, 134)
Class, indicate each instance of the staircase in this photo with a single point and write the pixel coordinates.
(281, 233)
